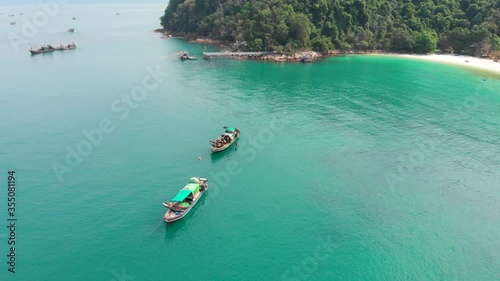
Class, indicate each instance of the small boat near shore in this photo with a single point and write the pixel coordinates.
(71, 30)
(185, 56)
(229, 137)
(50, 49)
(189, 58)
(185, 200)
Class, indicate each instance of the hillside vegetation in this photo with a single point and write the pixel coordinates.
(460, 26)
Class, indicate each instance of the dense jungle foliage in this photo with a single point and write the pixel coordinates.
(421, 26)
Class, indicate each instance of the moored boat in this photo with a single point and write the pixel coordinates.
(65, 47)
(185, 200)
(43, 49)
(189, 58)
(71, 30)
(50, 49)
(225, 140)
(185, 56)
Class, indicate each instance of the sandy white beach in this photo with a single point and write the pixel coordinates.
(465, 61)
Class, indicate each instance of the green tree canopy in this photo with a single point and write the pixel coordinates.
(466, 26)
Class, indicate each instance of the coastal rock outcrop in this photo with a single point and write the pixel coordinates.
(305, 56)
(205, 41)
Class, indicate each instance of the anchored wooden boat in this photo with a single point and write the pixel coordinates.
(50, 49)
(185, 56)
(184, 201)
(225, 140)
(42, 50)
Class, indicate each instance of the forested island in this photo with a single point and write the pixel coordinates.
(468, 27)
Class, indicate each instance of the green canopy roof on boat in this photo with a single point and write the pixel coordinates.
(194, 180)
(181, 195)
(230, 130)
(193, 187)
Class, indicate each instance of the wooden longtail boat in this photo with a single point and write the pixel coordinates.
(225, 140)
(50, 49)
(184, 201)
(47, 49)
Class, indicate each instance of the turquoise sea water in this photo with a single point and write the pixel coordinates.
(352, 168)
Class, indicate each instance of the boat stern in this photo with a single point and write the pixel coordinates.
(171, 217)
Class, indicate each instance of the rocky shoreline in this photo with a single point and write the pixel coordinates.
(223, 46)
(303, 56)
(191, 37)
(299, 56)
(310, 56)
